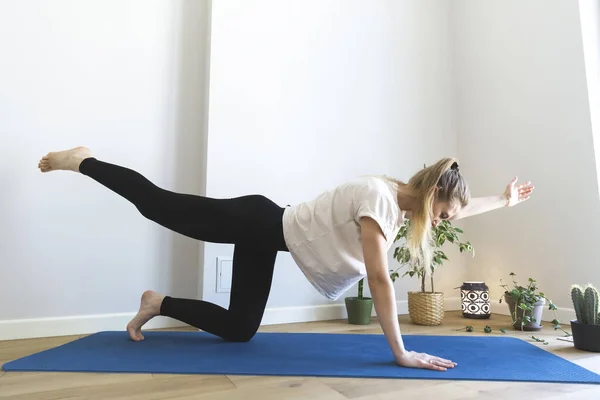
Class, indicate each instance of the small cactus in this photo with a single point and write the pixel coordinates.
(577, 297)
(585, 302)
(590, 296)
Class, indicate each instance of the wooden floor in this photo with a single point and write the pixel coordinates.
(79, 386)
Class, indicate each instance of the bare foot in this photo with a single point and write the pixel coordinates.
(66, 160)
(149, 308)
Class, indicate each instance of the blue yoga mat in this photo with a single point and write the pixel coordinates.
(305, 354)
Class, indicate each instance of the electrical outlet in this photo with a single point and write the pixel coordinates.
(224, 274)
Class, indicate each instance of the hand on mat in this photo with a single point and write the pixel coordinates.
(412, 359)
(516, 194)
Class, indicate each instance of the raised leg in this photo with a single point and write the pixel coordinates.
(246, 219)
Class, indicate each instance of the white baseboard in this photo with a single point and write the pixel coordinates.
(287, 315)
(74, 325)
(86, 324)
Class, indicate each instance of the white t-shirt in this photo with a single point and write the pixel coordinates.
(323, 235)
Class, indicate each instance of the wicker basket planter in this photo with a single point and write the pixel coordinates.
(426, 308)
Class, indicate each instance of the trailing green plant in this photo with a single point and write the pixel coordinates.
(442, 233)
(585, 302)
(486, 329)
(537, 339)
(525, 298)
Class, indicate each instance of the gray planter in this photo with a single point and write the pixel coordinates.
(586, 337)
(536, 314)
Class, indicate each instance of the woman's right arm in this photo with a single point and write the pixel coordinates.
(380, 284)
(384, 299)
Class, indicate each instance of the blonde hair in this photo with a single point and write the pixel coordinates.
(451, 187)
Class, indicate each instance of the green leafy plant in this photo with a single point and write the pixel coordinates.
(525, 298)
(442, 233)
(585, 301)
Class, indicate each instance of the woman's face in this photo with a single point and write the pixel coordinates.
(442, 210)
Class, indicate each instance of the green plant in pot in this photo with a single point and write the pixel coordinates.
(359, 308)
(526, 304)
(586, 328)
(426, 307)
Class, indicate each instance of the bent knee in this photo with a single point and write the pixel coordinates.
(241, 338)
(242, 335)
(242, 330)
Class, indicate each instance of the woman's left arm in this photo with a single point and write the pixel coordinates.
(513, 195)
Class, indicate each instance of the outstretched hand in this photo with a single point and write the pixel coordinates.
(413, 359)
(516, 194)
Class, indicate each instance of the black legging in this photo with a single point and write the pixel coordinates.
(252, 223)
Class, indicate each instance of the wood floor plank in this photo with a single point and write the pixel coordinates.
(94, 386)
(292, 389)
(29, 383)
(590, 393)
(504, 390)
(250, 381)
(359, 388)
(448, 390)
(143, 388)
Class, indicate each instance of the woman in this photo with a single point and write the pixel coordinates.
(336, 239)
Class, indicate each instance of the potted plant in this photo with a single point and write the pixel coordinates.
(586, 328)
(525, 304)
(427, 307)
(359, 308)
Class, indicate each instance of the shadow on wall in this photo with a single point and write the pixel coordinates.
(189, 107)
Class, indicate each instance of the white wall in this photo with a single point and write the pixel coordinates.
(126, 78)
(129, 80)
(589, 11)
(307, 94)
(522, 109)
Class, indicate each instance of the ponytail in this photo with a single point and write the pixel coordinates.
(451, 186)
